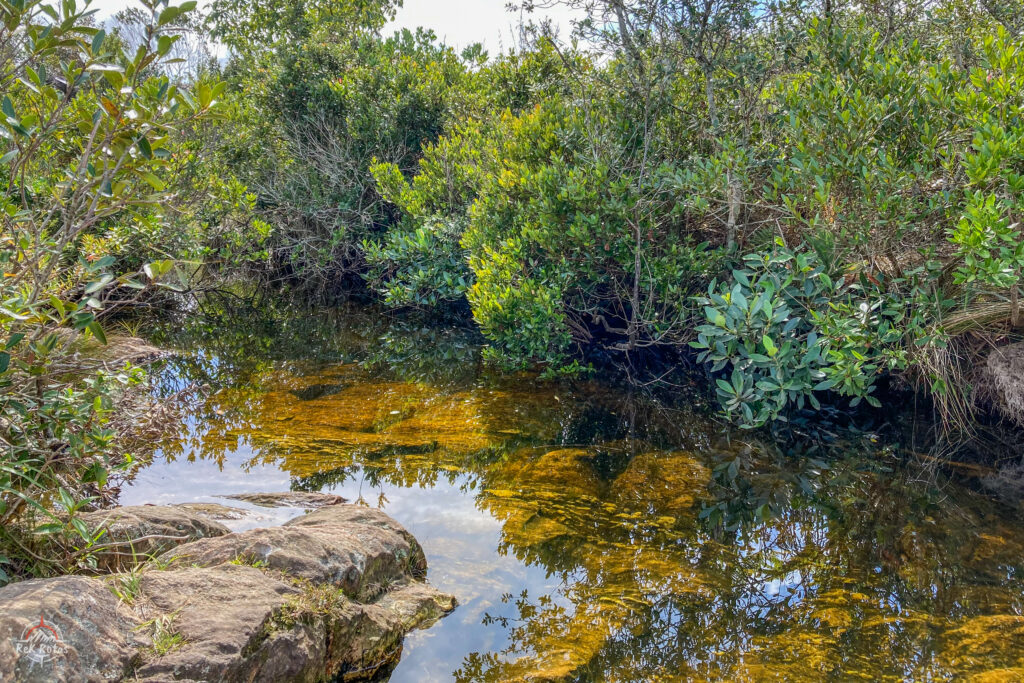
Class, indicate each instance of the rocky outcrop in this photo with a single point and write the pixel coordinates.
(328, 596)
(136, 533)
(286, 631)
(356, 549)
(211, 634)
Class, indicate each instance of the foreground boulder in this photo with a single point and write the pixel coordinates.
(209, 633)
(328, 596)
(68, 629)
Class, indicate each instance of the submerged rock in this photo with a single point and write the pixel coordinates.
(663, 483)
(328, 596)
(316, 391)
(289, 499)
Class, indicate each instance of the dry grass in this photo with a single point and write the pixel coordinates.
(993, 316)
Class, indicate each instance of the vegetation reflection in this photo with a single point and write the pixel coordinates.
(675, 551)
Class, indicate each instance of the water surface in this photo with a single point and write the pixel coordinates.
(593, 534)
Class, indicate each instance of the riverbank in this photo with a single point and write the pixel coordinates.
(84, 425)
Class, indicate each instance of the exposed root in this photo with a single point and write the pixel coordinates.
(1001, 382)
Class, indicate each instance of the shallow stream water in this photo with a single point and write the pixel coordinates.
(592, 534)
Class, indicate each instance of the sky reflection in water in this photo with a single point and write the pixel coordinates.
(568, 521)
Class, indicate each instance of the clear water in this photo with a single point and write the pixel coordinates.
(591, 534)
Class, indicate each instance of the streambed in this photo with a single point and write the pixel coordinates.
(591, 534)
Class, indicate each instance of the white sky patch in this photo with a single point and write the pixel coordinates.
(458, 23)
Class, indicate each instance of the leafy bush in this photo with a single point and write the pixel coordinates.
(987, 235)
(421, 261)
(552, 237)
(423, 268)
(321, 98)
(786, 329)
(87, 136)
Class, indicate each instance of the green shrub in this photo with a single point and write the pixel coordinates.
(315, 104)
(987, 235)
(424, 268)
(85, 145)
(784, 329)
(420, 261)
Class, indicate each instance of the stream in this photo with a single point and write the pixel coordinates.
(591, 533)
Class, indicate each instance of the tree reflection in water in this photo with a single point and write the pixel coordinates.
(676, 553)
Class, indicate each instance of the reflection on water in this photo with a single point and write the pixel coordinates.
(592, 535)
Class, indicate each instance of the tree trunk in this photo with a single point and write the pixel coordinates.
(634, 317)
(626, 34)
(734, 190)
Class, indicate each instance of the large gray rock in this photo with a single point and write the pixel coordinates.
(349, 594)
(218, 613)
(140, 532)
(359, 550)
(329, 596)
(282, 631)
(85, 636)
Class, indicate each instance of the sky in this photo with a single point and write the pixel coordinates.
(456, 22)
(463, 22)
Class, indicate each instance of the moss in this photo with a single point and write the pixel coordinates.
(311, 602)
(248, 561)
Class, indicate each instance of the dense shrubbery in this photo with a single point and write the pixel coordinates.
(786, 329)
(849, 177)
(88, 134)
(886, 159)
(316, 97)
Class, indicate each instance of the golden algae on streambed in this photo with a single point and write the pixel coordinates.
(573, 523)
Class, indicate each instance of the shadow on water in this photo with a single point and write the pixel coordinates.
(596, 534)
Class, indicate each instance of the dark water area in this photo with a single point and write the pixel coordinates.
(592, 533)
